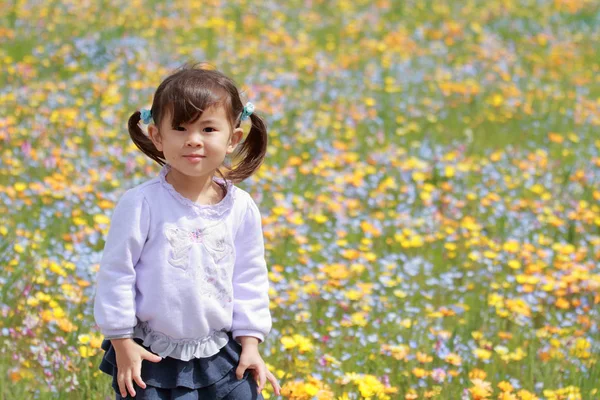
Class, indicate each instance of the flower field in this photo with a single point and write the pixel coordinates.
(430, 198)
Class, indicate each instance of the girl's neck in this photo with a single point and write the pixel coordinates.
(202, 190)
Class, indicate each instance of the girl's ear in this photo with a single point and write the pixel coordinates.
(235, 139)
(155, 137)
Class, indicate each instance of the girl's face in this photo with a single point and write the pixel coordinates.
(196, 149)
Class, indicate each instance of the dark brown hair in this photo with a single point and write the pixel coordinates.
(184, 95)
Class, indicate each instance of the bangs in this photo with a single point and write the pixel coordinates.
(186, 99)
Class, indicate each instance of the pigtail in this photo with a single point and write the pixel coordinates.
(252, 151)
(142, 141)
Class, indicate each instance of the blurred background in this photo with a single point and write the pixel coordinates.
(430, 199)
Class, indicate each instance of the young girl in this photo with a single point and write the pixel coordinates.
(182, 289)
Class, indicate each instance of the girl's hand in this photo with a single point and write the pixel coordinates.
(129, 364)
(251, 359)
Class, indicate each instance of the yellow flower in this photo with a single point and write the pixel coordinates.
(526, 395)
(411, 395)
(101, 219)
(96, 341)
(353, 294)
(369, 102)
(288, 342)
(501, 350)
(419, 372)
(518, 306)
(582, 345)
(399, 352)
(490, 254)
(66, 325)
(369, 386)
(555, 137)
(517, 355)
(32, 302)
(497, 100)
(297, 341)
(320, 218)
(359, 319)
(370, 228)
(481, 389)
(57, 269)
(85, 351)
(505, 386)
(424, 358)
(453, 359)
(482, 354)
(562, 303)
(84, 339)
(511, 246)
(309, 390)
(507, 396)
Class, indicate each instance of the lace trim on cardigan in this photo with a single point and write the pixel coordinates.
(182, 349)
(211, 211)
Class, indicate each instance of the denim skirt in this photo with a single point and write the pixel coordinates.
(198, 379)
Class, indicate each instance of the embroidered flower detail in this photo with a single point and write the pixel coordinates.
(196, 236)
(218, 246)
(215, 272)
(180, 246)
(217, 284)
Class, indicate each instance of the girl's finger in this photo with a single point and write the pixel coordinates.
(129, 383)
(121, 382)
(146, 355)
(239, 372)
(137, 375)
(271, 378)
(138, 379)
(262, 378)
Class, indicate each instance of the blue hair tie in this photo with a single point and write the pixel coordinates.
(248, 110)
(146, 116)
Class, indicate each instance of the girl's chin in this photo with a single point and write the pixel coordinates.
(193, 170)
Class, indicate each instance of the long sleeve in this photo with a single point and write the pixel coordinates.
(251, 315)
(114, 304)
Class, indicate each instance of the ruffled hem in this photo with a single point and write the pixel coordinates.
(210, 211)
(181, 349)
(171, 373)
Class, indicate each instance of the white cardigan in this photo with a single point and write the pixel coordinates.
(180, 275)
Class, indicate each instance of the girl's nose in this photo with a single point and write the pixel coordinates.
(194, 139)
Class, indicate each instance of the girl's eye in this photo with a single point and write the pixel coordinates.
(209, 129)
(180, 128)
